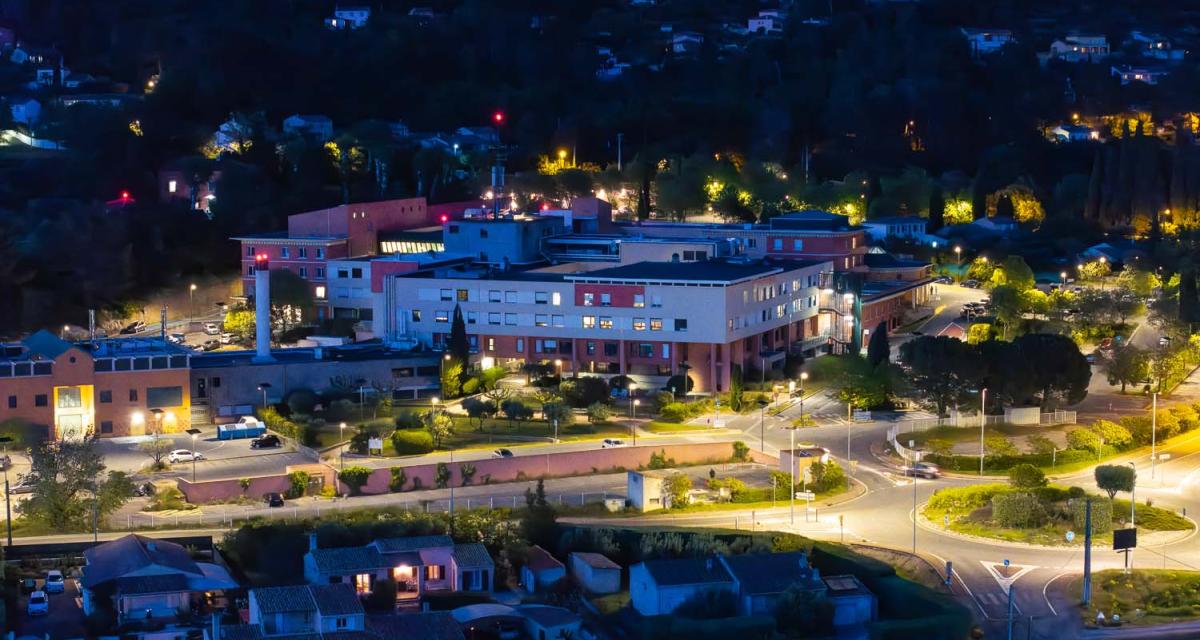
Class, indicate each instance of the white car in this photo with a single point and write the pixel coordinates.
(184, 455)
(39, 604)
(226, 338)
(610, 443)
(176, 338)
(212, 328)
(55, 582)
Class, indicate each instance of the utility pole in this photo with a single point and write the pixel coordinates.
(619, 136)
(1087, 553)
(982, 425)
(914, 514)
(1132, 512)
(1011, 588)
(1153, 429)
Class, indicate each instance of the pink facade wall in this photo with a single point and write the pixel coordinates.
(213, 490)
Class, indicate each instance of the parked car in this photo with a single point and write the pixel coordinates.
(5, 462)
(39, 604)
(1091, 358)
(210, 345)
(28, 585)
(944, 280)
(227, 338)
(1106, 343)
(212, 328)
(176, 338)
(273, 499)
(55, 583)
(502, 453)
(133, 327)
(923, 470)
(266, 442)
(184, 455)
(22, 485)
(1164, 341)
(971, 284)
(610, 443)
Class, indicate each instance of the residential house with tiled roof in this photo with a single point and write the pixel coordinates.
(595, 572)
(541, 570)
(760, 578)
(308, 612)
(658, 587)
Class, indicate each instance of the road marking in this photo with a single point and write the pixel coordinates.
(1047, 597)
(1004, 582)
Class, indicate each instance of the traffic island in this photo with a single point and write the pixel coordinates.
(1140, 598)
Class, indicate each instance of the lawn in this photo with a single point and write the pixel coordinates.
(1144, 597)
(610, 603)
(658, 426)
(467, 431)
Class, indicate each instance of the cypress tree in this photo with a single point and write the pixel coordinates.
(878, 350)
(937, 208)
(458, 346)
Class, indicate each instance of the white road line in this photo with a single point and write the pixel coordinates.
(1046, 597)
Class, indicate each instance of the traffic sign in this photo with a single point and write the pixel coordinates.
(1070, 536)
(1006, 562)
(805, 495)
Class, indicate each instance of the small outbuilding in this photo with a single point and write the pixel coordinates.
(595, 572)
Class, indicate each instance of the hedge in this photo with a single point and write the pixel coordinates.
(681, 628)
(1004, 463)
(279, 424)
(1102, 515)
(1018, 510)
(410, 443)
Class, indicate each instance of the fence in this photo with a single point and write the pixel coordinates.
(972, 420)
(220, 516)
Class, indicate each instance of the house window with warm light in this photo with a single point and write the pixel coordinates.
(172, 186)
(362, 583)
(319, 292)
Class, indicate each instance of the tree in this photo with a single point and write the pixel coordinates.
(438, 425)
(677, 487)
(1057, 373)
(1007, 305)
(1111, 478)
(478, 410)
(1084, 440)
(240, 322)
(560, 412)
(545, 396)
(1112, 434)
(451, 378)
(1014, 273)
(942, 369)
(157, 449)
(67, 492)
(1139, 281)
(1126, 365)
(598, 412)
(458, 346)
(516, 411)
(291, 299)
(1026, 476)
(538, 523)
(878, 350)
(736, 387)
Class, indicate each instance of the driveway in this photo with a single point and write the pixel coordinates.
(223, 458)
(65, 619)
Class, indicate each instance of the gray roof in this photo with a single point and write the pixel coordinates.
(766, 573)
(547, 616)
(156, 583)
(472, 554)
(123, 556)
(896, 220)
(240, 632)
(845, 586)
(344, 560)
(685, 571)
(707, 271)
(412, 543)
(284, 599)
(336, 599)
(596, 560)
(434, 625)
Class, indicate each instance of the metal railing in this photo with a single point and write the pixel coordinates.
(922, 424)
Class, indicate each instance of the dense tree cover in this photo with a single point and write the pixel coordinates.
(71, 491)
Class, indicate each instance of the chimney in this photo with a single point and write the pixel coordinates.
(262, 309)
(312, 541)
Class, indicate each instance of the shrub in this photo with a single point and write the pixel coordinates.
(1017, 510)
(399, 479)
(410, 443)
(467, 472)
(733, 485)
(1113, 434)
(1084, 439)
(680, 385)
(407, 420)
(1168, 424)
(598, 412)
(1040, 444)
(741, 452)
(674, 412)
(966, 499)
(559, 411)
(281, 425)
(442, 475)
(354, 478)
(471, 387)
(1101, 515)
(584, 391)
(1187, 416)
(939, 446)
(301, 401)
(999, 446)
(677, 486)
(1026, 476)
(659, 460)
(298, 484)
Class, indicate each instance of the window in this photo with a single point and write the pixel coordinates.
(416, 315)
(666, 351)
(12, 402)
(435, 572)
(460, 295)
(797, 245)
(556, 299)
(250, 270)
(493, 318)
(521, 345)
(589, 322)
(40, 400)
(589, 299)
(453, 229)
(342, 623)
(639, 300)
(441, 316)
(303, 272)
(656, 324)
(445, 295)
(541, 320)
(491, 344)
(319, 291)
(510, 297)
(362, 583)
(106, 426)
(472, 317)
(557, 320)
(639, 324)
(157, 397)
(69, 398)
(591, 348)
(105, 397)
(779, 309)
(320, 253)
(301, 252)
(320, 272)
(610, 348)
(494, 295)
(172, 185)
(655, 301)
(250, 251)
(751, 242)
(510, 319)
(645, 350)
(681, 324)
(216, 382)
(133, 395)
(606, 299)
(541, 297)
(283, 252)
(777, 244)
(605, 322)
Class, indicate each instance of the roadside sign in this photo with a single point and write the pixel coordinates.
(1164, 456)
(805, 495)
(1124, 539)
(1070, 536)
(375, 444)
(861, 415)
(807, 474)
(1006, 562)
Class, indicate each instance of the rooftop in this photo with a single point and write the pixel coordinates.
(472, 554)
(412, 543)
(284, 599)
(432, 625)
(547, 616)
(596, 560)
(345, 353)
(709, 271)
(683, 571)
(133, 553)
(847, 585)
(766, 573)
(897, 220)
(540, 560)
(336, 599)
(344, 560)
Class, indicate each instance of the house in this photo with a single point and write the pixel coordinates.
(26, 111)
(1074, 133)
(658, 587)
(766, 22)
(429, 625)
(1080, 48)
(142, 579)
(760, 578)
(594, 572)
(317, 127)
(853, 604)
(998, 225)
(541, 570)
(646, 490)
(1147, 75)
(362, 567)
(416, 564)
(986, 41)
(544, 622)
(351, 17)
(906, 227)
(306, 609)
(804, 457)
(1154, 45)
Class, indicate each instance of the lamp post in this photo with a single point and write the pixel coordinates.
(958, 259)
(193, 433)
(632, 409)
(762, 425)
(1153, 429)
(1062, 276)
(1104, 262)
(191, 303)
(631, 388)
(982, 424)
(263, 388)
(1132, 512)
(7, 503)
(342, 442)
(558, 367)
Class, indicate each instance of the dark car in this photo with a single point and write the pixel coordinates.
(29, 585)
(502, 453)
(273, 500)
(923, 470)
(210, 345)
(265, 442)
(132, 328)
(22, 485)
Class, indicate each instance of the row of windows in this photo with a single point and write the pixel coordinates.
(639, 324)
(141, 363)
(353, 272)
(301, 271)
(285, 252)
(22, 369)
(554, 320)
(777, 312)
(641, 350)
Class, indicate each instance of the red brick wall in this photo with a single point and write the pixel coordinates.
(622, 295)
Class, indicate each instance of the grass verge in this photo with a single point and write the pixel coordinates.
(1143, 597)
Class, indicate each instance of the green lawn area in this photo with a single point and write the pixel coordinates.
(971, 433)
(781, 501)
(1144, 597)
(610, 603)
(498, 431)
(658, 426)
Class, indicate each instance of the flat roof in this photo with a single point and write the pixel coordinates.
(300, 355)
(715, 271)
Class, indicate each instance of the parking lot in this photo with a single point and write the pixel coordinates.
(65, 619)
(223, 458)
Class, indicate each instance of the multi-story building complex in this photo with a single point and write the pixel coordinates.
(641, 319)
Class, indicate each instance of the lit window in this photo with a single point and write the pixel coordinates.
(441, 316)
(656, 324)
(556, 299)
(461, 295)
(541, 320)
(777, 244)
(416, 315)
(589, 322)
(319, 292)
(639, 324)
(589, 299)
(605, 322)
(362, 583)
(172, 186)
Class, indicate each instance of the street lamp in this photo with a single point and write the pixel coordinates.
(762, 425)
(191, 303)
(982, 424)
(1132, 512)
(1062, 276)
(958, 259)
(633, 408)
(193, 433)
(263, 388)
(342, 441)
(632, 386)
(558, 367)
